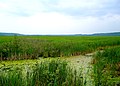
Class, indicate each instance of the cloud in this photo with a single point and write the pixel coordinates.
(59, 16)
(69, 7)
(21, 7)
(55, 23)
(85, 7)
(2, 5)
(45, 23)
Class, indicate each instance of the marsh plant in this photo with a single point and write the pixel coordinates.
(33, 47)
(49, 72)
(107, 67)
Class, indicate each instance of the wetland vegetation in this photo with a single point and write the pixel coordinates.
(56, 61)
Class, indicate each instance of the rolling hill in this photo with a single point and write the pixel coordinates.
(9, 34)
(95, 34)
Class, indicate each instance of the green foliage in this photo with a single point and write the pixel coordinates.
(107, 67)
(51, 72)
(11, 78)
(32, 47)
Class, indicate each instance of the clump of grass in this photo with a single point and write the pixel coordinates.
(55, 73)
(107, 67)
(50, 72)
(11, 78)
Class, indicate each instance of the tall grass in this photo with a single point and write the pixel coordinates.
(107, 67)
(46, 73)
(32, 47)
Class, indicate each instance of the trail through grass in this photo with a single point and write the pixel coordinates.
(79, 63)
(83, 63)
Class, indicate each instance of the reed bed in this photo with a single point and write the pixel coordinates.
(107, 67)
(51, 72)
(33, 47)
(56, 72)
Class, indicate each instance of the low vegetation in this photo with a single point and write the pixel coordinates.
(107, 67)
(33, 47)
(50, 72)
(53, 71)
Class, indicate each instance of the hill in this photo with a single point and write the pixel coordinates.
(96, 34)
(107, 34)
(102, 34)
(9, 34)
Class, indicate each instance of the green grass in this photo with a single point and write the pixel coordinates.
(107, 67)
(33, 47)
(49, 72)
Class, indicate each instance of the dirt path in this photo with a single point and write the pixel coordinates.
(84, 63)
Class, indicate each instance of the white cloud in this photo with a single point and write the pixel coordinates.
(75, 4)
(105, 23)
(2, 5)
(13, 7)
(43, 19)
(55, 23)
(69, 7)
(47, 23)
(83, 4)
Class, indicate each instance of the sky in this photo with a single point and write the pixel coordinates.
(59, 16)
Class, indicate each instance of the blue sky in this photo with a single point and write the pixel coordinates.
(59, 16)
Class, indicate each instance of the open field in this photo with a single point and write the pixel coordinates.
(59, 61)
(32, 47)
